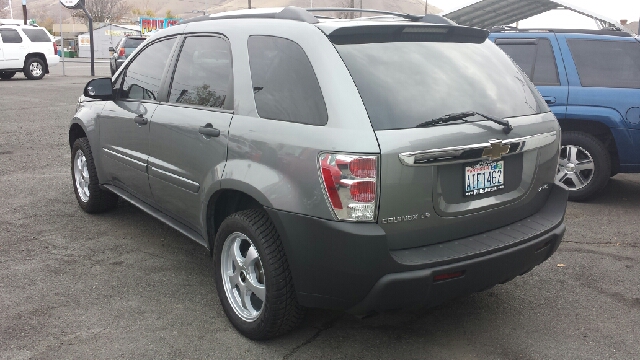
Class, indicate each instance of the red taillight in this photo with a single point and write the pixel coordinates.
(55, 48)
(363, 191)
(332, 190)
(121, 52)
(350, 183)
(363, 168)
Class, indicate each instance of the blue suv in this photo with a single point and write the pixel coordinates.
(591, 81)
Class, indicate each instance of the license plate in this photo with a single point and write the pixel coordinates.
(484, 177)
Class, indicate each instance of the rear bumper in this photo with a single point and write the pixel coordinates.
(348, 266)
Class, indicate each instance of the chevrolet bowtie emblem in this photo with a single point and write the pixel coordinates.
(496, 150)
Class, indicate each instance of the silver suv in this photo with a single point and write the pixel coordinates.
(362, 165)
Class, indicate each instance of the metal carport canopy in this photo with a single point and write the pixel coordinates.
(486, 14)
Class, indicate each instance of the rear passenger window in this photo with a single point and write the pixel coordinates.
(536, 60)
(142, 78)
(10, 36)
(37, 35)
(614, 64)
(203, 75)
(285, 86)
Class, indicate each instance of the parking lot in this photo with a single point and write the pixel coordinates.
(124, 285)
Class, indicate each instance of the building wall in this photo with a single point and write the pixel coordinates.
(103, 37)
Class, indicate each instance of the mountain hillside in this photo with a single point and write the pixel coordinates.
(51, 9)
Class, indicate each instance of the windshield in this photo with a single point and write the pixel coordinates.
(403, 84)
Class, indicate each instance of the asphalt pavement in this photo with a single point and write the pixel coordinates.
(124, 285)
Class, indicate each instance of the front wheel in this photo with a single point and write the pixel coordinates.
(584, 165)
(6, 75)
(91, 198)
(252, 276)
(34, 69)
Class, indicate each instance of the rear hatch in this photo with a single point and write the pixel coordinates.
(449, 180)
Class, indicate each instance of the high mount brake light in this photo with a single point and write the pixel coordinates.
(350, 185)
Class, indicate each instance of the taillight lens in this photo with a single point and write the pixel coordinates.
(350, 184)
(55, 48)
(121, 52)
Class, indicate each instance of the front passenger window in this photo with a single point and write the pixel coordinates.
(203, 75)
(141, 80)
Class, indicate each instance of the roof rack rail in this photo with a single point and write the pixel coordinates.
(605, 31)
(304, 15)
(289, 13)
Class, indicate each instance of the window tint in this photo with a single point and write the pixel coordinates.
(403, 84)
(285, 86)
(537, 61)
(142, 78)
(203, 75)
(613, 64)
(523, 55)
(10, 36)
(132, 43)
(546, 71)
(37, 35)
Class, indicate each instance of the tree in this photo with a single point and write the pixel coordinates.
(169, 15)
(104, 11)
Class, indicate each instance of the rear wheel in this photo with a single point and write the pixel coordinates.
(34, 69)
(6, 75)
(252, 276)
(584, 166)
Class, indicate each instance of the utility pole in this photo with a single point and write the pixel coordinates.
(24, 11)
(426, 7)
(11, 9)
(249, 4)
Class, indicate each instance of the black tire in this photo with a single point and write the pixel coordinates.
(6, 75)
(280, 310)
(98, 200)
(601, 172)
(33, 74)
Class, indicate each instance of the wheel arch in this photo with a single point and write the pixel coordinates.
(76, 131)
(225, 202)
(598, 130)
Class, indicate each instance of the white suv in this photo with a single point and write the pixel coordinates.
(26, 48)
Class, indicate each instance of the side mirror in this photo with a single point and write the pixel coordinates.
(99, 89)
(111, 49)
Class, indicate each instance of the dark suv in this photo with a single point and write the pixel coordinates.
(591, 80)
(123, 50)
(358, 165)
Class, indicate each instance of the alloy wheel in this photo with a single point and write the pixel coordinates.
(36, 69)
(243, 276)
(81, 174)
(575, 167)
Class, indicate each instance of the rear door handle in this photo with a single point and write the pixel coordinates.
(209, 130)
(141, 120)
(549, 99)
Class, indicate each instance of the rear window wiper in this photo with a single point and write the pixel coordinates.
(462, 116)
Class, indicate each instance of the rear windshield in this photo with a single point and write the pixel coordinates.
(133, 43)
(37, 35)
(403, 84)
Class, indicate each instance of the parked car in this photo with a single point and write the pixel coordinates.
(591, 81)
(357, 165)
(123, 50)
(28, 49)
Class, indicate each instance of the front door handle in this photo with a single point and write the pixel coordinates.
(549, 99)
(141, 120)
(209, 130)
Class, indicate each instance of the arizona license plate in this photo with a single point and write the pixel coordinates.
(484, 177)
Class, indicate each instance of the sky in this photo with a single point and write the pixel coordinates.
(614, 9)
